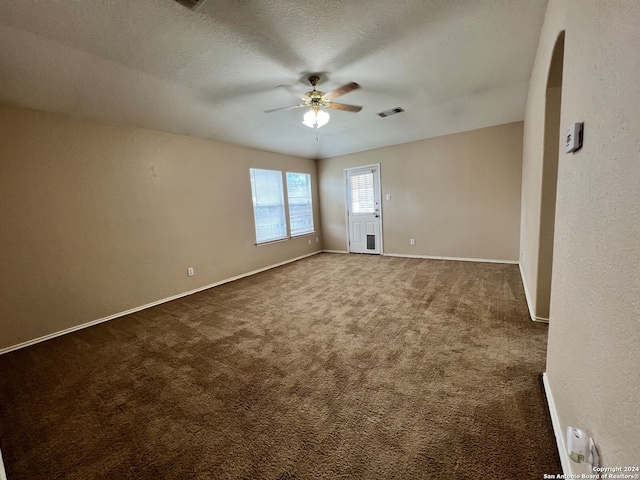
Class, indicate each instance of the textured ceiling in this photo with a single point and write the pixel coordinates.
(452, 65)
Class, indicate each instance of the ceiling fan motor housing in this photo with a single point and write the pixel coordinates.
(315, 96)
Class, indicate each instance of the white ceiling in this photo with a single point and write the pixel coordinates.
(453, 65)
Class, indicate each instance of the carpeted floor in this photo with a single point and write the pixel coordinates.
(332, 367)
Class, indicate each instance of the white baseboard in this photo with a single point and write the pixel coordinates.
(457, 259)
(528, 297)
(148, 305)
(557, 429)
(431, 257)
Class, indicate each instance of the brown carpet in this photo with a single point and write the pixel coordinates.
(332, 367)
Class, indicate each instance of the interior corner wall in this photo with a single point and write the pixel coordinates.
(456, 195)
(593, 358)
(98, 219)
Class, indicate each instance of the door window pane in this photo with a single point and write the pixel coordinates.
(362, 195)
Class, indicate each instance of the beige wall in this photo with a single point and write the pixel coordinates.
(593, 362)
(548, 201)
(539, 178)
(457, 195)
(99, 218)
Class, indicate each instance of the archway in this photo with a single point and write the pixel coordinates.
(552, 137)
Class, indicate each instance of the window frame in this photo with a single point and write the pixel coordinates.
(284, 191)
(281, 205)
(309, 196)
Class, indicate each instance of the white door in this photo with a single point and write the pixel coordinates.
(363, 209)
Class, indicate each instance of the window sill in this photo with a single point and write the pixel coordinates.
(303, 234)
(269, 242)
(262, 244)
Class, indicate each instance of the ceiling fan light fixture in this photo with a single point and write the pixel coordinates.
(316, 118)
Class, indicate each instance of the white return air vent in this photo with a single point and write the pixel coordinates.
(191, 4)
(388, 113)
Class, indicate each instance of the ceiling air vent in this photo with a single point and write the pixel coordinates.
(191, 4)
(388, 113)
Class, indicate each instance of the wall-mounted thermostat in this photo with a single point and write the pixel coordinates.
(574, 137)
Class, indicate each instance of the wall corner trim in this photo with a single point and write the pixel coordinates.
(557, 429)
(148, 305)
(528, 297)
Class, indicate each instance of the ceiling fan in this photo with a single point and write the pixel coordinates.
(316, 118)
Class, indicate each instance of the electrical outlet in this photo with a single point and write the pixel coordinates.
(412, 241)
(309, 241)
(190, 271)
(317, 239)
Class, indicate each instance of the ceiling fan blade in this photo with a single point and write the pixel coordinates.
(343, 106)
(292, 91)
(349, 87)
(284, 108)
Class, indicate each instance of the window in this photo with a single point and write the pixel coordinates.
(268, 205)
(269, 209)
(300, 204)
(362, 194)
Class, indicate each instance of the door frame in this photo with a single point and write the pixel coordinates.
(347, 200)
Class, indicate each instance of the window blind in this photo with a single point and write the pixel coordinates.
(362, 194)
(268, 205)
(300, 203)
